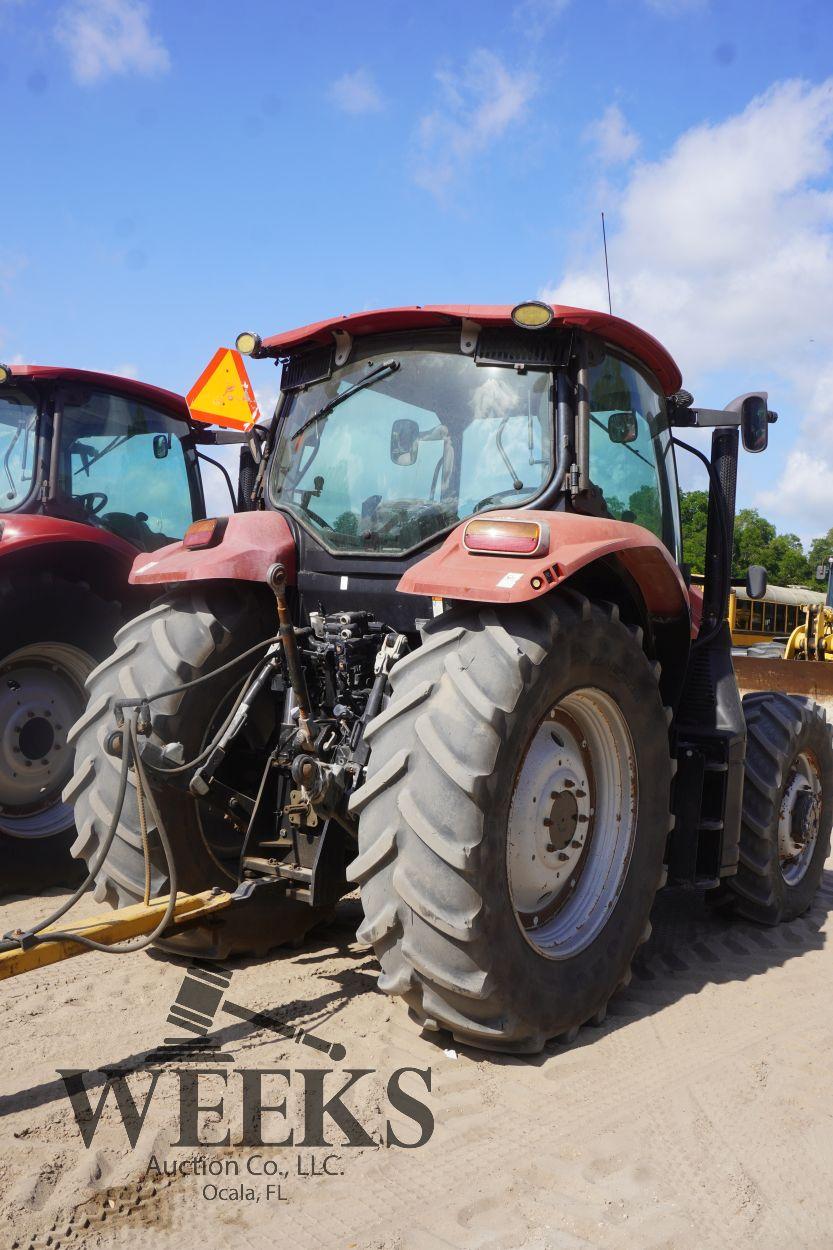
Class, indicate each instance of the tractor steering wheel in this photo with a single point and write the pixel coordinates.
(93, 501)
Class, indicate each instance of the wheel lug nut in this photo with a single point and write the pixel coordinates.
(563, 855)
(575, 845)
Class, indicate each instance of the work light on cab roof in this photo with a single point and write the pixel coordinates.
(532, 315)
(248, 343)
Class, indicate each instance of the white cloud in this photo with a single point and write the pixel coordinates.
(724, 249)
(109, 37)
(613, 140)
(477, 106)
(356, 93)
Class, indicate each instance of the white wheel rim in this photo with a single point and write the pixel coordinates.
(41, 696)
(571, 825)
(798, 818)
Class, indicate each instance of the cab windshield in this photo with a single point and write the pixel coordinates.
(430, 439)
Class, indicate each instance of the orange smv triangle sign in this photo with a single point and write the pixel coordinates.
(222, 394)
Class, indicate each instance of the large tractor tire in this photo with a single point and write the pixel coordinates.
(514, 819)
(787, 808)
(52, 634)
(181, 637)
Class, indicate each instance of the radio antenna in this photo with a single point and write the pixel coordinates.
(607, 270)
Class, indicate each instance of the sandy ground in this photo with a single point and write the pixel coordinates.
(699, 1115)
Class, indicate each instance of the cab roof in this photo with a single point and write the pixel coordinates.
(419, 317)
(108, 381)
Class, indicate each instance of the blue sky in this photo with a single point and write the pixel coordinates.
(175, 172)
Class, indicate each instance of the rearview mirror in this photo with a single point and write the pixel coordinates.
(821, 572)
(756, 581)
(161, 445)
(622, 427)
(754, 423)
(404, 441)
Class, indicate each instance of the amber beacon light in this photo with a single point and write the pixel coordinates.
(504, 536)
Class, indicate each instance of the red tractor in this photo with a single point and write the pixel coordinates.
(93, 469)
(452, 659)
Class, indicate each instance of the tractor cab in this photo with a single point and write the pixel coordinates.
(99, 451)
(93, 470)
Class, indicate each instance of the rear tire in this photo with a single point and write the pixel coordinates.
(181, 637)
(52, 634)
(454, 757)
(787, 808)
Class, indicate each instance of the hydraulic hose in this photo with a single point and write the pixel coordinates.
(130, 753)
(35, 936)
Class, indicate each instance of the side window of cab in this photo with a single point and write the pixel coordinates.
(631, 453)
(123, 467)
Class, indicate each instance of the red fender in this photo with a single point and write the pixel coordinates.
(452, 572)
(21, 531)
(251, 542)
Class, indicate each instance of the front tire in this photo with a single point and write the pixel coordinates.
(551, 708)
(787, 808)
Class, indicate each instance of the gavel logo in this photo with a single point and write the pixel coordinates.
(195, 1008)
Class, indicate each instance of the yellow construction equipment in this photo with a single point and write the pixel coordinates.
(110, 927)
(812, 638)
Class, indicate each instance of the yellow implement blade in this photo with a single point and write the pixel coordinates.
(810, 677)
(110, 927)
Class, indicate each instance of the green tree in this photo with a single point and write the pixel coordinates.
(756, 541)
(821, 549)
(753, 538)
(694, 512)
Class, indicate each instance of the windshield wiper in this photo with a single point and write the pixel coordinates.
(116, 441)
(383, 371)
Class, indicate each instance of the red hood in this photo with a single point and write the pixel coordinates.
(384, 320)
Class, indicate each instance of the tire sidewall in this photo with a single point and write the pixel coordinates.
(608, 658)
